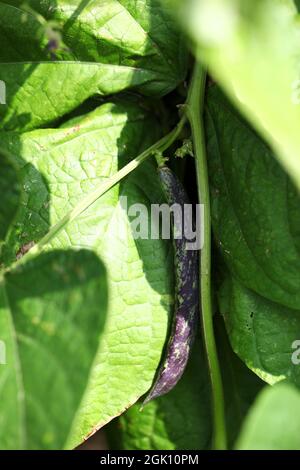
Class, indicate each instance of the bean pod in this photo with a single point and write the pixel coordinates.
(186, 294)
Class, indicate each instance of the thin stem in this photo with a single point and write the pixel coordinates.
(194, 110)
(100, 190)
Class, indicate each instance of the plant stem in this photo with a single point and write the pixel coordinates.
(194, 110)
(89, 199)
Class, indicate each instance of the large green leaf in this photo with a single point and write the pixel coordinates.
(274, 421)
(52, 314)
(255, 207)
(252, 49)
(261, 332)
(179, 420)
(60, 166)
(107, 47)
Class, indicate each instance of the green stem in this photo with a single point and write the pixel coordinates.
(90, 198)
(194, 110)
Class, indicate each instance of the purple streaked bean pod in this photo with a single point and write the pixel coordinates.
(186, 293)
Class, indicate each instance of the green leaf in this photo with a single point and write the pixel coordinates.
(240, 384)
(274, 421)
(179, 420)
(252, 50)
(255, 207)
(261, 332)
(52, 314)
(102, 48)
(60, 166)
(257, 232)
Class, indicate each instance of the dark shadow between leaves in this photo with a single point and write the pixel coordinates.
(26, 202)
(10, 194)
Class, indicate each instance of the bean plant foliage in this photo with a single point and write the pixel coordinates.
(95, 95)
